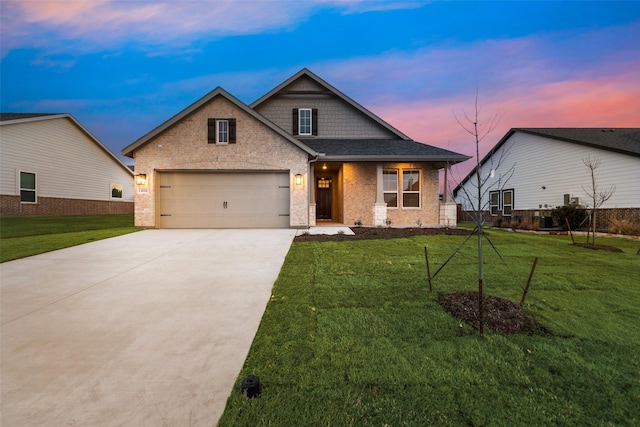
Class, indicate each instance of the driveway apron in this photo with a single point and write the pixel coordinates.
(146, 329)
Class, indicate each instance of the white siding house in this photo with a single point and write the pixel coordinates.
(548, 170)
(51, 165)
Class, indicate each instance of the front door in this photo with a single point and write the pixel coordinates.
(323, 198)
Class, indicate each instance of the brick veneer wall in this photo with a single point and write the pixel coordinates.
(11, 206)
(604, 218)
(360, 195)
(184, 147)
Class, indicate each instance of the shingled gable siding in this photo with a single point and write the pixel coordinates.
(359, 189)
(185, 147)
(336, 119)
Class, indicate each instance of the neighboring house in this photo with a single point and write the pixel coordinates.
(51, 165)
(548, 171)
(302, 154)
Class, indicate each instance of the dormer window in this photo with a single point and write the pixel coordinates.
(221, 131)
(305, 121)
(304, 117)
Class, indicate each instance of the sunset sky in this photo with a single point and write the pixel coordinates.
(123, 67)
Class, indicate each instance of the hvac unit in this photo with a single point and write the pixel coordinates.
(570, 199)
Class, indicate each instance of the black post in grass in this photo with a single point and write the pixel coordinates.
(426, 258)
(526, 288)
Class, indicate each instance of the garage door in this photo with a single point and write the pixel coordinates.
(223, 200)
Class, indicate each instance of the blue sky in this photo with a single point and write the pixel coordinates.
(123, 67)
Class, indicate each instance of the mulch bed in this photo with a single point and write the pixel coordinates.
(366, 233)
(499, 314)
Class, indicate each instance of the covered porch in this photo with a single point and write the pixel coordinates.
(401, 194)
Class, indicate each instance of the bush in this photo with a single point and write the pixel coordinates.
(628, 226)
(575, 214)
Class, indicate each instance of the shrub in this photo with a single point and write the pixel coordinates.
(575, 214)
(628, 226)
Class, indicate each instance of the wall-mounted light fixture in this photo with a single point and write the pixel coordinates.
(324, 167)
(141, 179)
(298, 180)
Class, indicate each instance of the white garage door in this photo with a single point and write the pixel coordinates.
(223, 200)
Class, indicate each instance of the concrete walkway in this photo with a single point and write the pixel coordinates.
(146, 329)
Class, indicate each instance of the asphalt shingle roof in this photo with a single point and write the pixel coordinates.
(347, 149)
(17, 116)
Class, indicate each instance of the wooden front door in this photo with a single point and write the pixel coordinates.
(323, 198)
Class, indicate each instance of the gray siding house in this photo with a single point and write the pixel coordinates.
(548, 171)
(302, 155)
(51, 165)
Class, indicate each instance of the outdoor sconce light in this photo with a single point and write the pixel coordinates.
(141, 179)
(298, 180)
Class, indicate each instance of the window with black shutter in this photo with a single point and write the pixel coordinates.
(305, 121)
(221, 131)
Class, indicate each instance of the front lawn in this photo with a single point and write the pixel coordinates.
(25, 236)
(352, 336)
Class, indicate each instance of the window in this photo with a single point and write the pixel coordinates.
(305, 121)
(410, 188)
(27, 187)
(117, 191)
(221, 131)
(507, 202)
(494, 202)
(390, 187)
(304, 117)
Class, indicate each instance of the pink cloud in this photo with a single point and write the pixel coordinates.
(610, 101)
(106, 23)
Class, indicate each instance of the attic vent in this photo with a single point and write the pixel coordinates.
(607, 130)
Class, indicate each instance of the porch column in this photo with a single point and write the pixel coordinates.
(380, 207)
(445, 194)
(311, 184)
(448, 209)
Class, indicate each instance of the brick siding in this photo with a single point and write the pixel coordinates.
(11, 206)
(184, 147)
(360, 195)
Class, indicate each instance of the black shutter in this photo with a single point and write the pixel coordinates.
(314, 121)
(295, 121)
(211, 134)
(232, 131)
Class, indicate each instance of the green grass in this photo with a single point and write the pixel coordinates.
(352, 336)
(25, 236)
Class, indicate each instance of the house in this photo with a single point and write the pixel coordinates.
(546, 170)
(51, 165)
(303, 154)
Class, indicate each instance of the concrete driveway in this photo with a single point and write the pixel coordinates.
(146, 329)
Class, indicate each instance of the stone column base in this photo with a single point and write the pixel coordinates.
(312, 214)
(448, 214)
(380, 214)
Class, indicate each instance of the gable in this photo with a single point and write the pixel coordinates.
(187, 143)
(339, 117)
(67, 160)
(216, 94)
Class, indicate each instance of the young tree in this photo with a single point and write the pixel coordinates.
(479, 131)
(597, 196)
